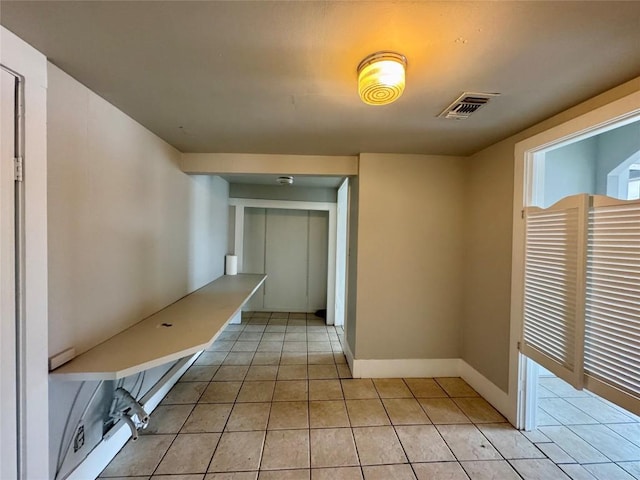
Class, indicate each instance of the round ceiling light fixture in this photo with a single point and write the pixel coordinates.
(381, 77)
(285, 180)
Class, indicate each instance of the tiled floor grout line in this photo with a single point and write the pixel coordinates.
(510, 462)
(395, 431)
(175, 436)
(321, 370)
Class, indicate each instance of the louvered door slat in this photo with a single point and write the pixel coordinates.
(612, 323)
(554, 287)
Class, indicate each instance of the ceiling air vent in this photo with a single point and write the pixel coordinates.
(466, 104)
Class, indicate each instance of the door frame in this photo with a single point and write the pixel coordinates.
(342, 247)
(526, 187)
(241, 203)
(10, 141)
(19, 57)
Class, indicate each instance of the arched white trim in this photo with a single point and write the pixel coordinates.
(241, 203)
(618, 178)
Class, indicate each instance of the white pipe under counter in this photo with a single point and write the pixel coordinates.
(183, 328)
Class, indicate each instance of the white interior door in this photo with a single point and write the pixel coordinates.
(291, 247)
(286, 249)
(8, 418)
(317, 260)
(554, 287)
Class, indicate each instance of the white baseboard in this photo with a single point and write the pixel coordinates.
(489, 391)
(411, 367)
(445, 367)
(349, 355)
(237, 318)
(104, 452)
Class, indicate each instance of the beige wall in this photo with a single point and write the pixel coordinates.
(129, 233)
(487, 293)
(409, 256)
(487, 273)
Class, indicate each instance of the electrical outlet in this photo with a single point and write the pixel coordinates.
(78, 441)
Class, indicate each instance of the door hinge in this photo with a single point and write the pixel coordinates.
(519, 345)
(522, 213)
(18, 169)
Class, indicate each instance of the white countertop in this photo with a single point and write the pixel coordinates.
(196, 320)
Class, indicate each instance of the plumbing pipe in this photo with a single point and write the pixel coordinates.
(128, 420)
(131, 403)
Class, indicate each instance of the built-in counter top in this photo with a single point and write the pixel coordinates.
(183, 328)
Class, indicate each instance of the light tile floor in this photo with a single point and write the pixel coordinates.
(273, 399)
(587, 436)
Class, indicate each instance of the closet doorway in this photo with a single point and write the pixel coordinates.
(291, 247)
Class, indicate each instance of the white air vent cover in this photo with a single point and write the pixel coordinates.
(466, 104)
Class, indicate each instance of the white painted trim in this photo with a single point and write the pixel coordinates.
(537, 167)
(287, 204)
(107, 449)
(406, 368)
(530, 393)
(237, 318)
(485, 387)
(241, 203)
(602, 119)
(348, 354)
(8, 295)
(331, 264)
(238, 235)
(342, 246)
(618, 178)
(428, 368)
(32, 65)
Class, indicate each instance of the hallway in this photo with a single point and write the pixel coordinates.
(273, 399)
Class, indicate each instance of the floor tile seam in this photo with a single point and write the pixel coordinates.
(355, 445)
(513, 467)
(155, 469)
(634, 442)
(309, 432)
(439, 434)
(467, 472)
(264, 438)
(572, 406)
(266, 429)
(386, 464)
(633, 422)
(404, 450)
(589, 444)
(592, 445)
(502, 457)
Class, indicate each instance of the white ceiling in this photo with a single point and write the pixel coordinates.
(279, 77)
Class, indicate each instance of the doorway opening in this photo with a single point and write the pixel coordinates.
(268, 234)
(291, 247)
(596, 154)
(593, 154)
(603, 163)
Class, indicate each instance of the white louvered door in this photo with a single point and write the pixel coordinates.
(582, 294)
(612, 317)
(554, 288)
